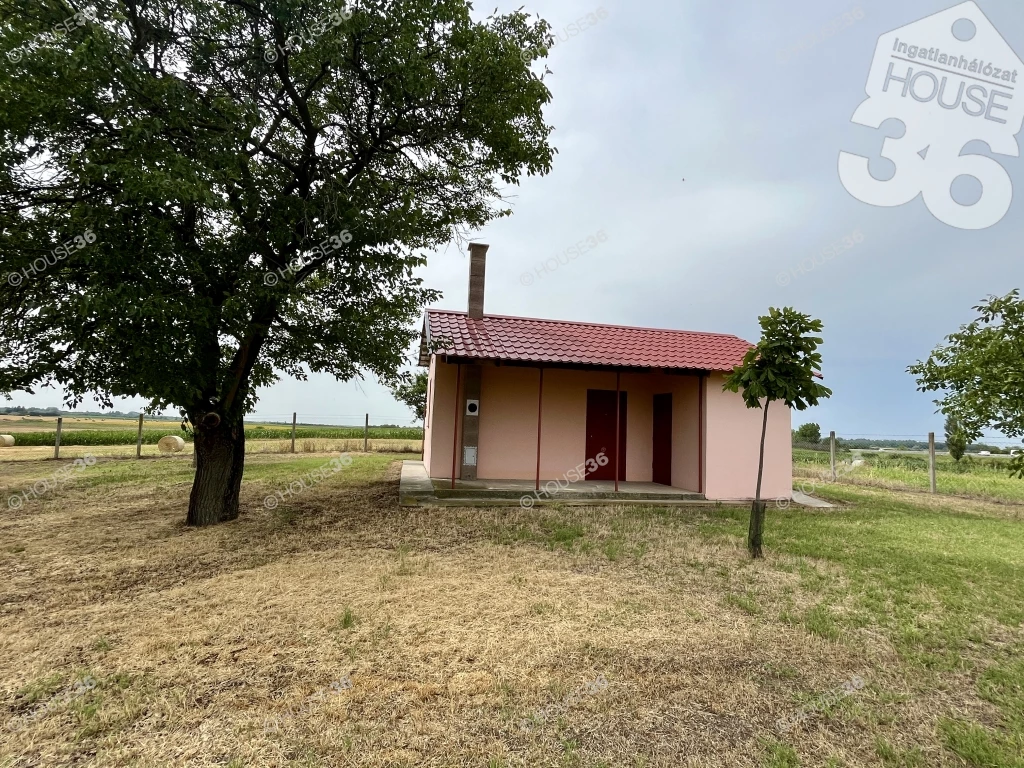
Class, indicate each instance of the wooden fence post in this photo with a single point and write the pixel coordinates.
(832, 453)
(138, 441)
(293, 431)
(366, 435)
(56, 443)
(931, 461)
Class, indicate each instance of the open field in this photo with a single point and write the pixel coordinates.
(152, 436)
(12, 424)
(977, 477)
(38, 453)
(465, 637)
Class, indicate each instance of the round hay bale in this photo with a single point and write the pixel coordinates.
(171, 444)
(6, 441)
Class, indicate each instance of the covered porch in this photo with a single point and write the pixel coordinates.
(570, 429)
(417, 488)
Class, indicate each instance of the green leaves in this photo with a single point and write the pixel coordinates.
(413, 392)
(981, 370)
(783, 364)
(202, 166)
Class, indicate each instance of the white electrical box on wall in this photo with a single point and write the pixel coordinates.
(469, 456)
(472, 407)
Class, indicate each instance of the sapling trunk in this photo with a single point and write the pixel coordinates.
(757, 510)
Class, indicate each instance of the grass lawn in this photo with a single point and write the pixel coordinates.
(341, 630)
(976, 478)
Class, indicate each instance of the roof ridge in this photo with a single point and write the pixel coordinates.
(463, 313)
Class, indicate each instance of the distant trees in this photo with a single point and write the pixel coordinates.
(783, 366)
(807, 433)
(20, 410)
(981, 371)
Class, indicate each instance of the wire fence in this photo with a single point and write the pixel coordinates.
(285, 432)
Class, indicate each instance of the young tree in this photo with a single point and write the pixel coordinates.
(782, 366)
(956, 439)
(808, 433)
(240, 189)
(413, 392)
(981, 371)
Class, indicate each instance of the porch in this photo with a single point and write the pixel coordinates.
(419, 489)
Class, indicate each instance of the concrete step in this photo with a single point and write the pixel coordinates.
(488, 493)
(616, 502)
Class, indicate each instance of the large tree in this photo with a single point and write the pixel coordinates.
(782, 366)
(980, 371)
(197, 196)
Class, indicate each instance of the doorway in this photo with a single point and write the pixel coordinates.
(601, 432)
(662, 464)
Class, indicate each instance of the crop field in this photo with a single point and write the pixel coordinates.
(12, 424)
(152, 436)
(975, 477)
(339, 629)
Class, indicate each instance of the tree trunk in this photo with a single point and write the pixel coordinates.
(757, 510)
(220, 459)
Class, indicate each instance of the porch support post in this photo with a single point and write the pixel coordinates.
(700, 434)
(540, 405)
(455, 436)
(618, 415)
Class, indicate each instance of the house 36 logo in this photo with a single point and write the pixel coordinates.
(951, 79)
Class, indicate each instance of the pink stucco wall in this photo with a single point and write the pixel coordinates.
(733, 436)
(508, 429)
(508, 422)
(428, 422)
(441, 408)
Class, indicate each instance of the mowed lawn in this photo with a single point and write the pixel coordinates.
(341, 630)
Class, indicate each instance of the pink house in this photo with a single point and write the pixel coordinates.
(524, 399)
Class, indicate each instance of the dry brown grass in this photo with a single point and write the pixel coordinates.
(460, 623)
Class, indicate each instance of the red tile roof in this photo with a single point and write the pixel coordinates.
(527, 339)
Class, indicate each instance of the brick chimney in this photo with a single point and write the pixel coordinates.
(477, 268)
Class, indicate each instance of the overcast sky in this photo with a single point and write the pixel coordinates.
(715, 93)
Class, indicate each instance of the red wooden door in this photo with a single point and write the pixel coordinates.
(662, 439)
(601, 432)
